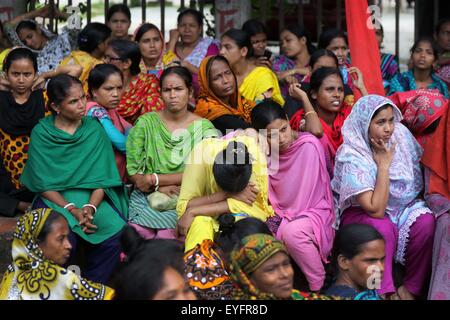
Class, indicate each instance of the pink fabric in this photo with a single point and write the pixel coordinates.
(303, 166)
(148, 233)
(298, 237)
(122, 125)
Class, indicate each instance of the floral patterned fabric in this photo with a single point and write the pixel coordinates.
(32, 277)
(356, 171)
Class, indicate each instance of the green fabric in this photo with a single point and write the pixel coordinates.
(75, 165)
(151, 148)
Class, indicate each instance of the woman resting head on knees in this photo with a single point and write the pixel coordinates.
(357, 262)
(155, 56)
(156, 149)
(118, 19)
(210, 260)
(230, 177)
(91, 197)
(442, 38)
(327, 96)
(309, 239)
(378, 181)
(389, 65)
(105, 88)
(188, 45)
(261, 270)
(150, 270)
(293, 64)
(220, 100)
(20, 110)
(258, 38)
(40, 249)
(92, 44)
(141, 90)
(255, 83)
(424, 54)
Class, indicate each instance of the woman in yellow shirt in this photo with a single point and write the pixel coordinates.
(255, 83)
(222, 176)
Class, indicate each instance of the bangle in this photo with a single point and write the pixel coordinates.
(310, 112)
(157, 182)
(68, 205)
(91, 206)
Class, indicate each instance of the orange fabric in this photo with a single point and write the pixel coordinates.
(366, 55)
(209, 106)
(437, 157)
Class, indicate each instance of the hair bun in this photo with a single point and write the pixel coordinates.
(226, 222)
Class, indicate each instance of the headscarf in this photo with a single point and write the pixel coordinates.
(33, 277)
(252, 253)
(355, 169)
(209, 106)
(420, 109)
(437, 158)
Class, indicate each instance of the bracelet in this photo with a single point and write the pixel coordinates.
(310, 112)
(68, 205)
(157, 182)
(91, 206)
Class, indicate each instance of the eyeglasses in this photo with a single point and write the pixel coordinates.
(108, 58)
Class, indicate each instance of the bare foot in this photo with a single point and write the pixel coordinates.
(404, 294)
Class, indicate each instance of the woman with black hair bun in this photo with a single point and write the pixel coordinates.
(222, 176)
(214, 257)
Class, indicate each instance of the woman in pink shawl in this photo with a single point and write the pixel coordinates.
(106, 87)
(304, 217)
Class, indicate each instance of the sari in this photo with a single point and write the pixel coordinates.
(74, 165)
(389, 68)
(142, 96)
(33, 277)
(211, 107)
(405, 82)
(152, 148)
(86, 61)
(313, 200)
(282, 63)
(259, 81)
(96, 111)
(356, 171)
(421, 109)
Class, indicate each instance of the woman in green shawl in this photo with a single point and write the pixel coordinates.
(156, 151)
(72, 170)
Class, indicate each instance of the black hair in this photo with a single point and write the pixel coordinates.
(265, 113)
(322, 53)
(58, 89)
(118, 8)
(27, 24)
(144, 29)
(92, 35)
(432, 43)
(381, 29)
(349, 242)
(99, 74)
(241, 38)
(232, 167)
(440, 24)
(126, 49)
(320, 75)
(140, 275)
(231, 232)
(48, 226)
(328, 35)
(19, 54)
(380, 109)
(253, 27)
(182, 72)
(195, 13)
(299, 31)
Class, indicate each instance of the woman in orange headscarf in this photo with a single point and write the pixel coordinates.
(220, 100)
